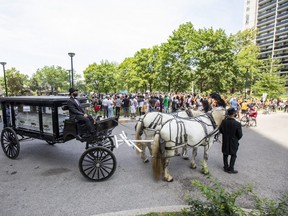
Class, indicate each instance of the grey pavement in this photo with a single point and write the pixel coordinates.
(45, 180)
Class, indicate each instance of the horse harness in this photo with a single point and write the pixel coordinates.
(157, 121)
(181, 132)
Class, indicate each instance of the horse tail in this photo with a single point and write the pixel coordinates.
(139, 131)
(157, 159)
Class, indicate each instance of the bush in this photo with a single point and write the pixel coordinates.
(221, 203)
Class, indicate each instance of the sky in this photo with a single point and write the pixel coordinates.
(38, 33)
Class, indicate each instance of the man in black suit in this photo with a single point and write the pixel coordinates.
(77, 112)
(231, 134)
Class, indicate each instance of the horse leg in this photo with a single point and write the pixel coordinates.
(166, 176)
(143, 147)
(194, 154)
(204, 164)
(143, 154)
(176, 152)
(149, 146)
(184, 153)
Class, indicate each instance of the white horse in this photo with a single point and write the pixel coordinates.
(176, 133)
(153, 121)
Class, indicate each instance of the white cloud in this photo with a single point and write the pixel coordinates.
(35, 33)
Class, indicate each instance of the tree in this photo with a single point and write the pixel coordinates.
(126, 76)
(176, 59)
(16, 82)
(214, 61)
(100, 77)
(144, 62)
(49, 79)
(270, 81)
(247, 65)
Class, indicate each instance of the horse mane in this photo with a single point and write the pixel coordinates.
(217, 97)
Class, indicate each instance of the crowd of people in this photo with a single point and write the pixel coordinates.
(132, 105)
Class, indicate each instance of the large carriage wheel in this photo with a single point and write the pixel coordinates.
(97, 163)
(106, 142)
(10, 143)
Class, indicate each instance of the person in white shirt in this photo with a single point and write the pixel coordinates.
(110, 106)
(105, 106)
(133, 107)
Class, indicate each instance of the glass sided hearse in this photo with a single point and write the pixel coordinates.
(47, 118)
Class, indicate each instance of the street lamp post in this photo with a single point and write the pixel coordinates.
(246, 82)
(71, 55)
(6, 91)
(69, 77)
(97, 86)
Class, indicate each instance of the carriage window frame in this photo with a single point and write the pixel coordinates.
(26, 117)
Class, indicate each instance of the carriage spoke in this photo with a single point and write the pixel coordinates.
(88, 162)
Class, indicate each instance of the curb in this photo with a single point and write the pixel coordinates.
(124, 120)
(134, 212)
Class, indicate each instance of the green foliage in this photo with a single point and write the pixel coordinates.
(50, 79)
(16, 82)
(246, 64)
(214, 61)
(269, 81)
(176, 60)
(269, 207)
(219, 202)
(100, 78)
(144, 68)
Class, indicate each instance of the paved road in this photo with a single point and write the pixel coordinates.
(45, 180)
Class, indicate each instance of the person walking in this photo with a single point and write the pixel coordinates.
(105, 106)
(125, 106)
(110, 106)
(118, 106)
(166, 104)
(231, 134)
(133, 107)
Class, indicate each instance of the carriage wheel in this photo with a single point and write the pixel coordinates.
(244, 121)
(253, 123)
(10, 143)
(50, 142)
(97, 163)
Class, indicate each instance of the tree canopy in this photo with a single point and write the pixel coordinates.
(204, 60)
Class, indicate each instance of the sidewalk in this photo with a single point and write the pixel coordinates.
(133, 212)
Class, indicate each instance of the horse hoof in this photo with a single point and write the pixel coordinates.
(193, 167)
(146, 160)
(169, 179)
(185, 157)
(177, 154)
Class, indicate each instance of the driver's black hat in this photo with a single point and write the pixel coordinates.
(71, 90)
(231, 111)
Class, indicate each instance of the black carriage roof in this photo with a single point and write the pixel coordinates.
(37, 99)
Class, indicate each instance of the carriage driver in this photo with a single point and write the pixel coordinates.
(77, 112)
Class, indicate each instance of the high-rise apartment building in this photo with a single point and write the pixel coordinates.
(270, 17)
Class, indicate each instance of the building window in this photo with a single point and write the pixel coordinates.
(247, 19)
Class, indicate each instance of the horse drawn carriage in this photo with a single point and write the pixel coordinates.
(47, 118)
